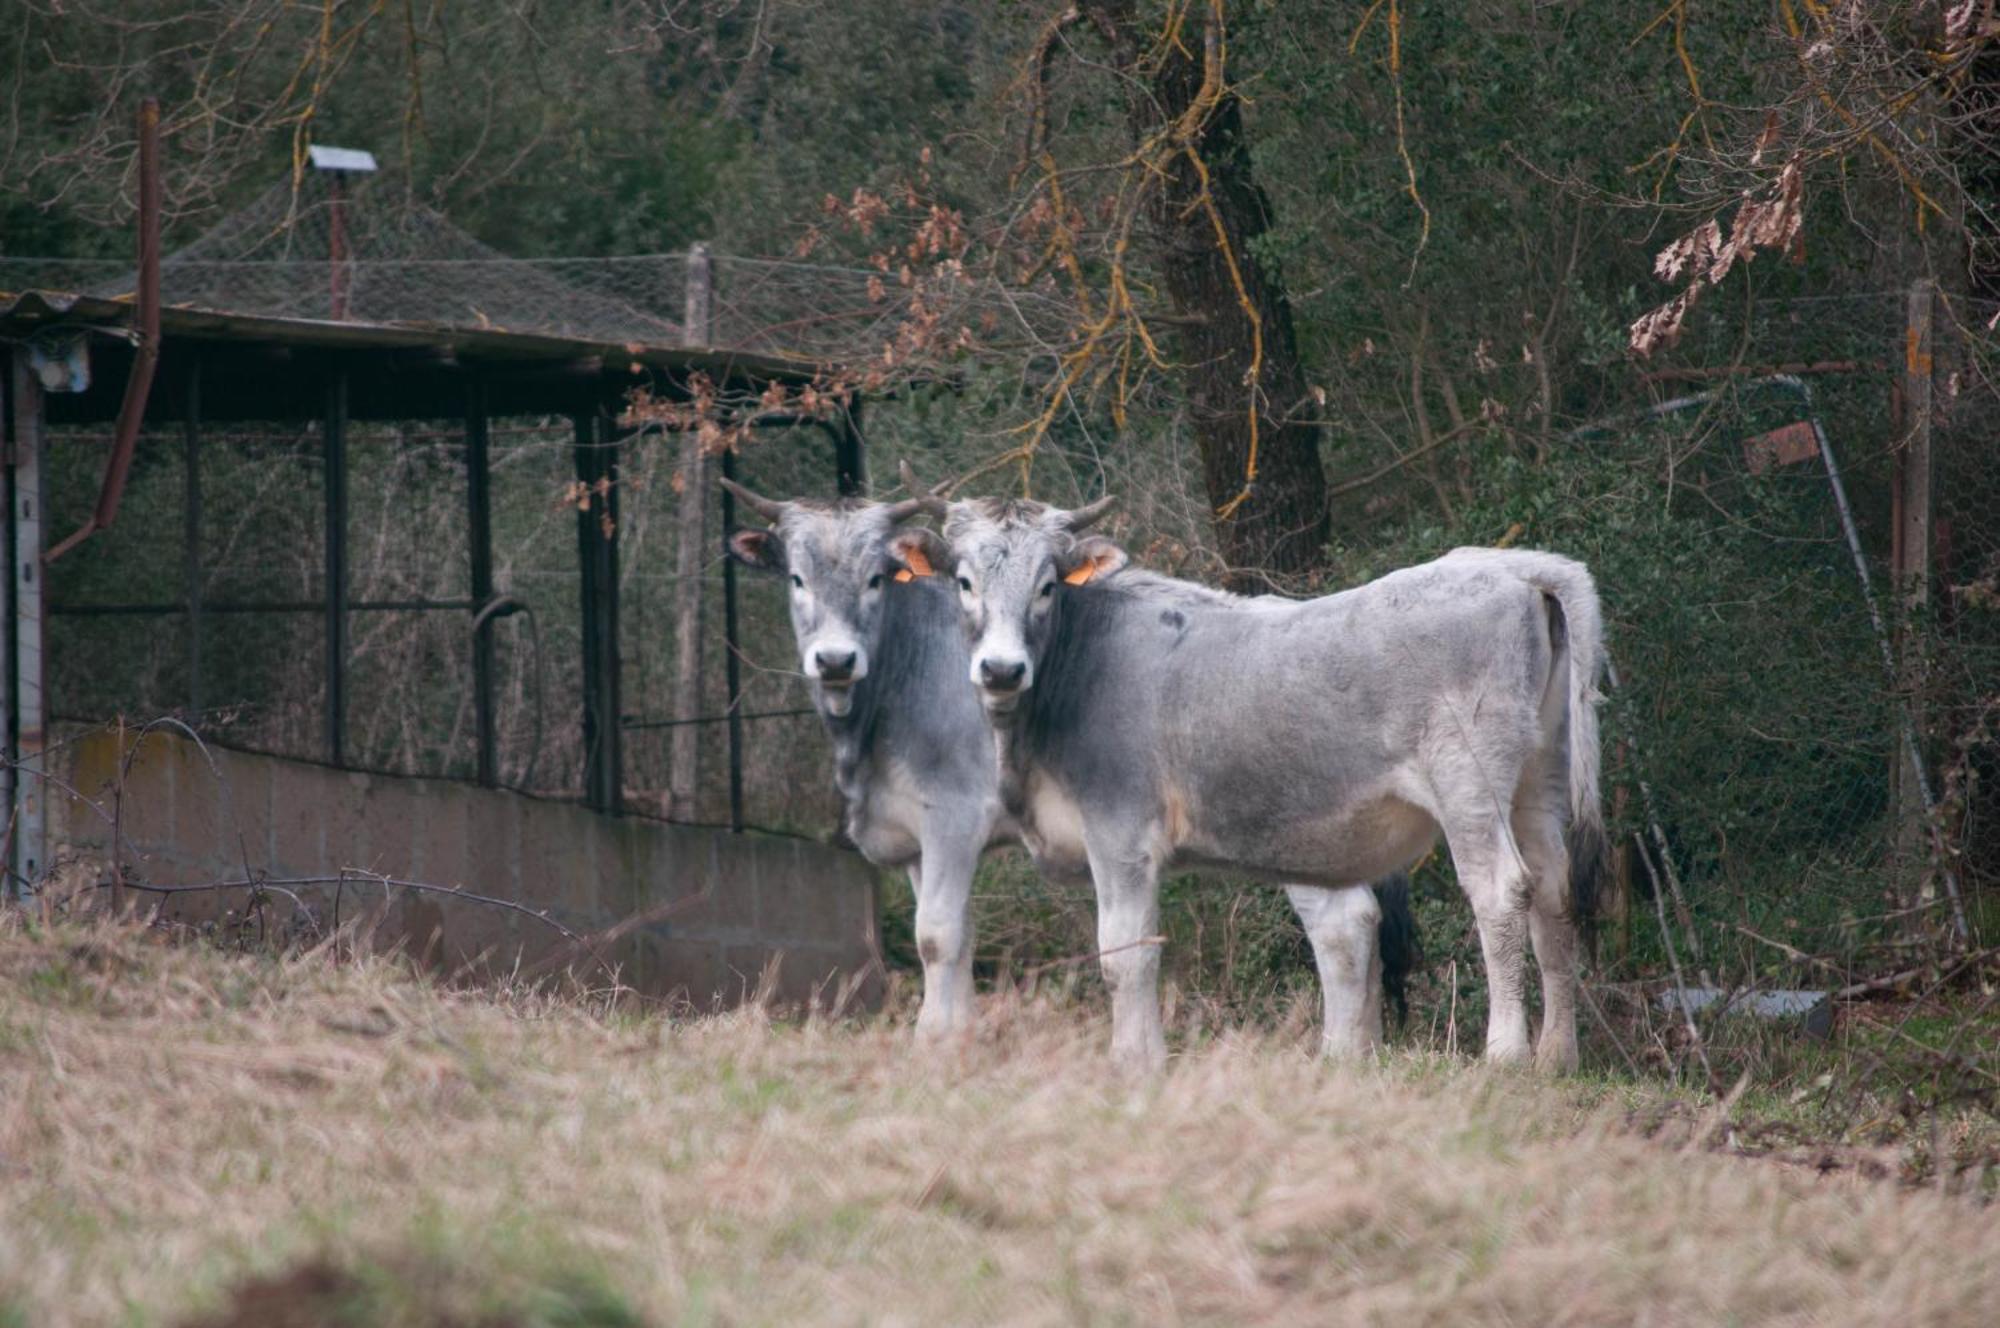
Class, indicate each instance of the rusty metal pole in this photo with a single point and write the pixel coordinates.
(132, 411)
(336, 245)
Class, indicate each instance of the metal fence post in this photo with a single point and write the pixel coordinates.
(597, 561)
(850, 455)
(479, 529)
(334, 477)
(25, 731)
(610, 661)
(732, 648)
(1912, 572)
(191, 535)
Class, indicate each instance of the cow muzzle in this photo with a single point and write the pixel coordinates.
(836, 666)
(1001, 679)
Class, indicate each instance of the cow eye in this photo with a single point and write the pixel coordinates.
(798, 582)
(965, 584)
(1048, 589)
(875, 581)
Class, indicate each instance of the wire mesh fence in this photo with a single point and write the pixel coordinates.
(373, 257)
(250, 668)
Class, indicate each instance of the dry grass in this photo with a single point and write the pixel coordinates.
(175, 1122)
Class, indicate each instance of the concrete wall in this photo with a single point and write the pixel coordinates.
(715, 908)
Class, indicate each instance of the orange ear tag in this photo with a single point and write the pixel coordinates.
(1081, 573)
(904, 576)
(919, 565)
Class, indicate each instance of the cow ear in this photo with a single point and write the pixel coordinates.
(918, 552)
(1091, 558)
(760, 549)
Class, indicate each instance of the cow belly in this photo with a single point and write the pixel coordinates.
(1052, 829)
(1356, 844)
(885, 827)
(883, 844)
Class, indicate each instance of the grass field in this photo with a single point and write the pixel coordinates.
(192, 1137)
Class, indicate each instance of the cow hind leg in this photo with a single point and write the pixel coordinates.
(1342, 925)
(1552, 927)
(1492, 873)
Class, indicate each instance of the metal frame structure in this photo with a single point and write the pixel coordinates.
(27, 488)
(216, 368)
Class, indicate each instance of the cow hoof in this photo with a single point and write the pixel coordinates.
(1555, 1062)
(932, 1030)
(1140, 1062)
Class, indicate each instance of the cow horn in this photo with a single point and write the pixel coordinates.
(1087, 516)
(756, 502)
(926, 500)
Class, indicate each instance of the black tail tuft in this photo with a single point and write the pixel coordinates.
(1588, 853)
(1396, 938)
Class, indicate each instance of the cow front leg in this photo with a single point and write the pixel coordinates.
(942, 882)
(1128, 945)
(1342, 926)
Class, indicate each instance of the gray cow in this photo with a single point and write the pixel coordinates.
(1146, 722)
(879, 638)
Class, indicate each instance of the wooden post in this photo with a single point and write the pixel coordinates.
(1912, 547)
(696, 475)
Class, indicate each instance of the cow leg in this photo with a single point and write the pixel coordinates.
(942, 881)
(1552, 927)
(1342, 924)
(1128, 923)
(1491, 872)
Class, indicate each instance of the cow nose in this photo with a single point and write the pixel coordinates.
(834, 665)
(1002, 677)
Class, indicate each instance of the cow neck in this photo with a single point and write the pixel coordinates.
(1069, 671)
(905, 657)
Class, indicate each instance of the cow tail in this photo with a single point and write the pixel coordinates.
(1396, 941)
(1583, 625)
(1576, 626)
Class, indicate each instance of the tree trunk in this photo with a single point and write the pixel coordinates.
(1283, 525)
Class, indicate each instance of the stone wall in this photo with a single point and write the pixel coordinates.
(696, 914)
